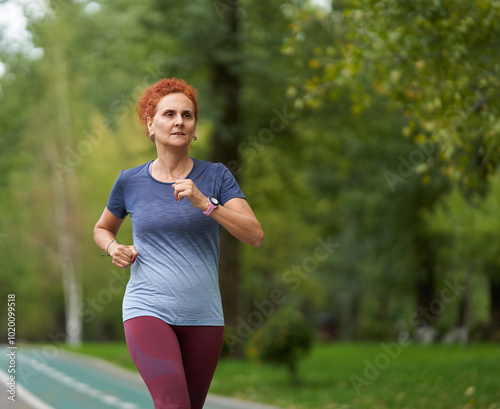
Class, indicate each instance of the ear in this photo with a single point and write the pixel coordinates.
(149, 124)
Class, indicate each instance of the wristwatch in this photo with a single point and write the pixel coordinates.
(212, 204)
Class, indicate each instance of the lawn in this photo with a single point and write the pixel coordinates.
(359, 376)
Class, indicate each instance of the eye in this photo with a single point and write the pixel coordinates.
(187, 115)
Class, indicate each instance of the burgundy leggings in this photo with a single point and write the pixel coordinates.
(176, 362)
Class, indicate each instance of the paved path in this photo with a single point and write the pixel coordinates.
(50, 378)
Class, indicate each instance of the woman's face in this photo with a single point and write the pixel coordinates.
(174, 122)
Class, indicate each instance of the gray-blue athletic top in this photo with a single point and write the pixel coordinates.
(175, 276)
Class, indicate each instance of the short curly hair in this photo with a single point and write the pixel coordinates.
(146, 107)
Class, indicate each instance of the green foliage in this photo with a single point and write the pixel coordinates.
(434, 66)
(468, 230)
(284, 339)
(436, 62)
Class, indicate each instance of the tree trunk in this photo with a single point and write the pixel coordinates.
(226, 138)
(464, 313)
(425, 286)
(494, 306)
(293, 373)
(425, 294)
(64, 189)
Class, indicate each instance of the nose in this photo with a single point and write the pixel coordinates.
(179, 120)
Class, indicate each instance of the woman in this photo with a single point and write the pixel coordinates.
(172, 309)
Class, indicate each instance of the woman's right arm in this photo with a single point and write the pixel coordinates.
(105, 232)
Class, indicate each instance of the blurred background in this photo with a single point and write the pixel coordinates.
(363, 133)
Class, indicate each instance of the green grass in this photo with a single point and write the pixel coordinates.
(359, 376)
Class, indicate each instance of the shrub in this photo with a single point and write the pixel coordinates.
(284, 339)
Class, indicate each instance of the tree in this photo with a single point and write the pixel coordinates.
(64, 183)
(468, 228)
(434, 63)
(56, 123)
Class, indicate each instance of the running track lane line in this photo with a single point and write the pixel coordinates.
(81, 387)
(63, 382)
(49, 373)
(26, 395)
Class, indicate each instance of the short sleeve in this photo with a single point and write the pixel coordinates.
(229, 188)
(116, 201)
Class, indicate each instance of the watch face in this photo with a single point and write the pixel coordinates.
(214, 201)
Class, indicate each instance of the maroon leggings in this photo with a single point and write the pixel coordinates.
(176, 362)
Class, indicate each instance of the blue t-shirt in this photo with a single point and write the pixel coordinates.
(175, 276)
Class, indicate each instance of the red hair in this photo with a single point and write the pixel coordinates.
(146, 107)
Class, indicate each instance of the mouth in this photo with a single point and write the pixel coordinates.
(179, 133)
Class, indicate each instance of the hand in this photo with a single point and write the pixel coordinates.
(186, 188)
(123, 256)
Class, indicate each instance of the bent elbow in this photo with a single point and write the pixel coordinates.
(97, 230)
(259, 239)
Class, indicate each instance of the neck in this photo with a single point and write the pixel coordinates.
(173, 161)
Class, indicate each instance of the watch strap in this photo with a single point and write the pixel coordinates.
(210, 209)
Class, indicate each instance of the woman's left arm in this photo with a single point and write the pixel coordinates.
(236, 216)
